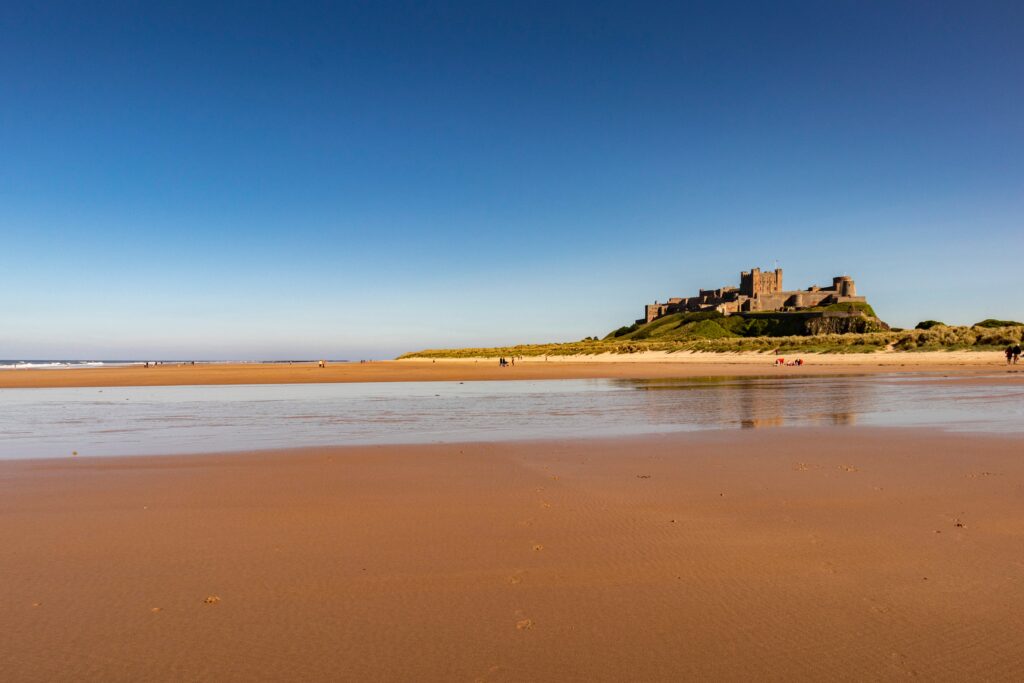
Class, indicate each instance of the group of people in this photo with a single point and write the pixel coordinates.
(793, 363)
(1013, 354)
(504, 363)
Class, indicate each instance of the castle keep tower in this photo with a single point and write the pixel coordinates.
(754, 282)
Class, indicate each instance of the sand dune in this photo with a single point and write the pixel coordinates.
(846, 554)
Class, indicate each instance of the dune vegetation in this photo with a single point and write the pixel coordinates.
(785, 333)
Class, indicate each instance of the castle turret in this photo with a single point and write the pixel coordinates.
(844, 286)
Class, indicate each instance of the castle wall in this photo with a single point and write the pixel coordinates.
(730, 307)
(800, 299)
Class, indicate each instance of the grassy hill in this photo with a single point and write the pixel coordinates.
(856, 317)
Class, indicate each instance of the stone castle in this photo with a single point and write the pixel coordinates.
(758, 292)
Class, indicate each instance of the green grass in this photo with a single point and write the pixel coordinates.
(714, 325)
(705, 329)
(863, 307)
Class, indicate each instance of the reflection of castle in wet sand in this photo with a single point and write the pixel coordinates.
(837, 406)
(753, 403)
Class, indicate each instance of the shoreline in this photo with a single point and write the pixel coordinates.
(726, 555)
(708, 434)
(645, 365)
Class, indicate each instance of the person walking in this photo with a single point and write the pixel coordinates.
(1016, 353)
(1009, 355)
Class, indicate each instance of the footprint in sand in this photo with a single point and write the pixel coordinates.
(899, 660)
(524, 624)
(211, 600)
(876, 606)
(493, 670)
(515, 579)
(544, 504)
(848, 468)
(538, 547)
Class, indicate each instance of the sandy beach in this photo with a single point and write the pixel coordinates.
(279, 280)
(737, 555)
(645, 365)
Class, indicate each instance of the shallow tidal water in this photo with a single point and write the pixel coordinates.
(38, 423)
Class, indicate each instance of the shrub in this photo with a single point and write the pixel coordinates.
(624, 330)
(990, 323)
(928, 324)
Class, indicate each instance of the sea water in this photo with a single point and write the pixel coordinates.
(184, 419)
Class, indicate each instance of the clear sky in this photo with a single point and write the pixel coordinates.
(350, 180)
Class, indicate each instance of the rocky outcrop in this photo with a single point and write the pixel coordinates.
(837, 322)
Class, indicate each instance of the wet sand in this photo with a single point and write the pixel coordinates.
(634, 366)
(782, 554)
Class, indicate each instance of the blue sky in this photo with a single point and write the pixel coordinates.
(350, 180)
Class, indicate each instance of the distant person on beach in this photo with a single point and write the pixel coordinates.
(322, 364)
(1009, 355)
(1016, 353)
